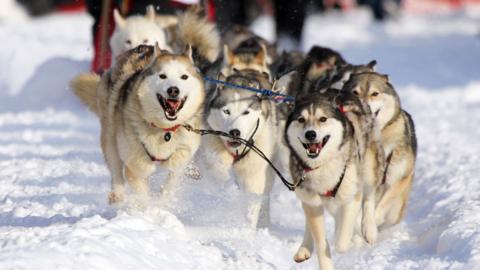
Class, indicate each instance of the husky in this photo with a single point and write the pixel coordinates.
(246, 115)
(398, 139)
(249, 55)
(240, 36)
(287, 62)
(344, 73)
(143, 103)
(324, 165)
(136, 30)
(172, 33)
(320, 64)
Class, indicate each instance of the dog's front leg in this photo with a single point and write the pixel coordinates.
(305, 250)
(138, 183)
(316, 221)
(369, 226)
(258, 184)
(115, 166)
(345, 225)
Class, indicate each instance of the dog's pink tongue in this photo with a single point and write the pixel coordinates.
(173, 104)
(314, 147)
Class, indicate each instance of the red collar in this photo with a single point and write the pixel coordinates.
(170, 129)
(238, 157)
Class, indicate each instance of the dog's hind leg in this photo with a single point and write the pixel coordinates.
(345, 226)
(316, 221)
(395, 197)
(399, 206)
(304, 252)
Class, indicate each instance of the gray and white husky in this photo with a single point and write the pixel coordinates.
(398, 139)
(246, 115)
(324, 163)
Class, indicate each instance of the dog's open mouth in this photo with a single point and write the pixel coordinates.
(233, 144)
(313, 149)
(171, 106)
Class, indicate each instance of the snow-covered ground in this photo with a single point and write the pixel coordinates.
(53, 208)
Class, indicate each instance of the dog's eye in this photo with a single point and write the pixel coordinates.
(184, 77)
(374, 94)
(355, 92)
(128, 41)
(323, 119)
(226, 111)
(145, 41)
(246, 112)
(162, 76)
(301, 120)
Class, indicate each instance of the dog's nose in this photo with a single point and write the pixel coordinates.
(235, 133)
(310, 135)
(173, 91)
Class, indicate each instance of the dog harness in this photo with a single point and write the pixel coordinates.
(237, 157)
(306, 169)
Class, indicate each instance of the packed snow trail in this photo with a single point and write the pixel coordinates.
(53, 207)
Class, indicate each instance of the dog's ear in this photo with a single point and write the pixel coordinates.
(372, 64)
(228, 55)
(282, 84)
(188, 52)
(119, 20)
(150, 15)
(221, 77)
(157, 50)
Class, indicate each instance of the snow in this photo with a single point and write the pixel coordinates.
(53, 207)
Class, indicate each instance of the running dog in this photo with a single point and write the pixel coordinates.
(325, 166)
(398, 139)
(244, 114)
(172, 33)
(143, 102)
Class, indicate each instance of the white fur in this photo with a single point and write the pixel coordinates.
(328, 168)
(252, 173)
(136, 30)
(153, 84)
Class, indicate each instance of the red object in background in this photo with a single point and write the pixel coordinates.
(424, 6)
(74, 6)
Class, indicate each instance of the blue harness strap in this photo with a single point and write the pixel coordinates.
(265, 92)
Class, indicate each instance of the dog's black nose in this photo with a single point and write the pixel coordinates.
(235, 133)
(310, 135)
(173, 91)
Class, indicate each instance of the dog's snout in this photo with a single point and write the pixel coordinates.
(235, 133)
(310, 135)
(173, 91)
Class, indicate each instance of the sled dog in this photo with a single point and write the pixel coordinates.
(324, 163)
(246, 115)
(398, 139)
(142, 102)
(172, 33)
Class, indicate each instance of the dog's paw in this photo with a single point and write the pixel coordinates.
(302, 255)
(369, 230)
(115, 197)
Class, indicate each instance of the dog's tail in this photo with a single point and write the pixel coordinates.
(203, 36)
(85, 87)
